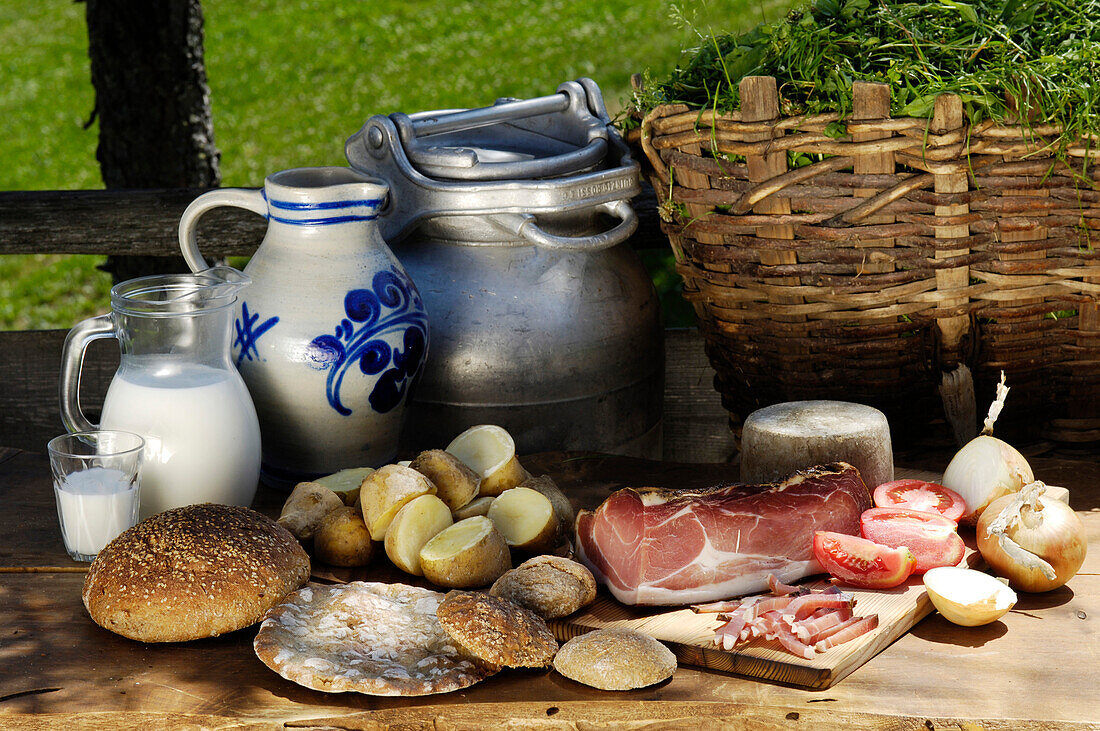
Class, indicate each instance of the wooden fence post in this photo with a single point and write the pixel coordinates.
(153, 104)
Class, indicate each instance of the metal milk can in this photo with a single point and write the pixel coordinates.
(511, 219)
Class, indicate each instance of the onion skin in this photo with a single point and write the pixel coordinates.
(985, 469)
(1057, 537)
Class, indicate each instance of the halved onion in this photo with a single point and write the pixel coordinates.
(967, 597)
(982, 471)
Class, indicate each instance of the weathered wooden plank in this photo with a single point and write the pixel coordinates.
(138, 222)
(30, 370)
(696, 426)
(144, 222)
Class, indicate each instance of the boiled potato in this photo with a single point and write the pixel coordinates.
(455, 483)
(562, 507)
(414, 525)
(477, 506)
(489, 451)
(385, 491)
(470, 553)
(526, 519)
(342, 539)
(345, 483)
(306, 507)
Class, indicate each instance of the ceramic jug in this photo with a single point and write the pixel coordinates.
(175, 386)
(332, 333)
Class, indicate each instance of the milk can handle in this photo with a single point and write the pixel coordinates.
(72, 362)
(248, 199)
(524, 225)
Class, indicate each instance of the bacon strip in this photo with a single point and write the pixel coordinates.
(849, 630)
(778, 588)
(793, 644)
(803, 606)
(811, 629)
(804, 622)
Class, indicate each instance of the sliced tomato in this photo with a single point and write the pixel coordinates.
(930, 537)
(929, 497)
(862, 563)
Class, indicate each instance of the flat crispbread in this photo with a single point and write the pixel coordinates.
(365, 637)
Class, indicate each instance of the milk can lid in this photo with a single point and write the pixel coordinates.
(545, 137)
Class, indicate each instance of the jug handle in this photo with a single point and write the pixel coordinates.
(72, 362)
(246, 198)
(524, 226)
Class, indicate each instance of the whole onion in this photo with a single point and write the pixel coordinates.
(1034, 541)
(985, 469)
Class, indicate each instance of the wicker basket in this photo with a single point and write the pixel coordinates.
(912, 247)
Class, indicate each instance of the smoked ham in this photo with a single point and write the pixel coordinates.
(659, 546)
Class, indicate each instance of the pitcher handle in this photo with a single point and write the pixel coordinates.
(524, 226)
(247, 198)
(72, 362)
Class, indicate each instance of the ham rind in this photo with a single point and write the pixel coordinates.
(657, 546)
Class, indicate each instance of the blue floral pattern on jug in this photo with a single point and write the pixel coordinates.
(364, 344)
(248, 332)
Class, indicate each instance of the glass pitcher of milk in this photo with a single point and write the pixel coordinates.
(175, 386)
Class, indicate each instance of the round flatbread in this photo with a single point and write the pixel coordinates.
(365, 637)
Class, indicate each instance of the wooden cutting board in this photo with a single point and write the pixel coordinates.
(690, 635)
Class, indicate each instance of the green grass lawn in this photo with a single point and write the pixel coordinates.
(291, 80)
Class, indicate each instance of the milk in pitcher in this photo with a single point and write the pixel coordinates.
(201, 441)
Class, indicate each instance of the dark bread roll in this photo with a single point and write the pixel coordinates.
(193, 572)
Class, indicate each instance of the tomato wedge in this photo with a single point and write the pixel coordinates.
(862, 563)
(930, 537)
(928, 497)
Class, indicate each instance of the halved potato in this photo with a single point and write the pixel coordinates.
(490, 451)
(385, 491)
(455, 483)
(526, 519)
(342, 539)
(477, 506)
(417, 522)
(345, 483)
(470, 553)
(562, 507)
(306, 507)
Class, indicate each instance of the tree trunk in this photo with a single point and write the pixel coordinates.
(153, 104)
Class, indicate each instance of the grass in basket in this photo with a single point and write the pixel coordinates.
(999, 56)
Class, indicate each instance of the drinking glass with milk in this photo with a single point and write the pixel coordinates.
(95, 481)
(176, 386)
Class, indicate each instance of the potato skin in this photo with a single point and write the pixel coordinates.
(518, 504)
(478, 564)
(342, 539)
(477, 506)
(385, 491)
(562, 507)
(455, 483)
(505, 477)
(306, 507)
(420, 520)
(549, 586)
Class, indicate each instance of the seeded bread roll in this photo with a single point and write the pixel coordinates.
(193, 572)
(615, 659)
(496, 631)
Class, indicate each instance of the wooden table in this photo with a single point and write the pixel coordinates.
(1035, 669)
